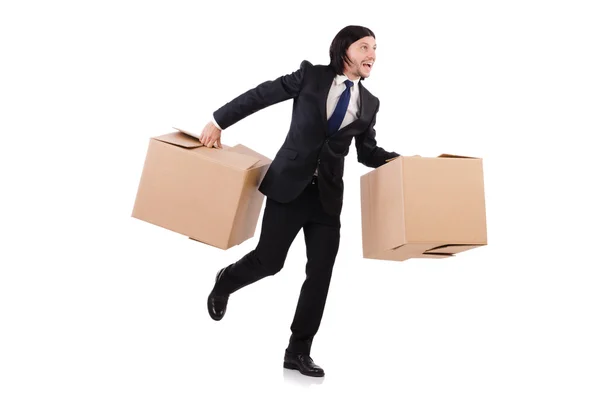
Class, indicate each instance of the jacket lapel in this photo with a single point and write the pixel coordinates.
(323, 92)
(367, 104)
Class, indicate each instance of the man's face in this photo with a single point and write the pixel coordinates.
(362, 57)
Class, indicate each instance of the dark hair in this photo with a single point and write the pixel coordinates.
(341, 42)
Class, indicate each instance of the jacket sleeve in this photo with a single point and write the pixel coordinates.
(265, 94)
(367, 151)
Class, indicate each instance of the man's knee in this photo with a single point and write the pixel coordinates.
(271, 265)
(274, 267)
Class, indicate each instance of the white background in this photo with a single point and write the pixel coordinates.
(95, 303)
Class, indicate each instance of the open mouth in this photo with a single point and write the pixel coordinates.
(368, 65)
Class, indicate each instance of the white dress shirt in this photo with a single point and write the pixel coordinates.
(336, 90)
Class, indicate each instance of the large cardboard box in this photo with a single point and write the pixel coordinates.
(208, 194)
(423, 207)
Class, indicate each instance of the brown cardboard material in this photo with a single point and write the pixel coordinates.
(210, 195)
(423, 207)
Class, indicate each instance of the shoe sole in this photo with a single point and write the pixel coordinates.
(292, 366)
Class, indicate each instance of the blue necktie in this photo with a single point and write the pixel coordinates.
(340, 110)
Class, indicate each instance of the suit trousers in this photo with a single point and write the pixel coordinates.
(280, 226)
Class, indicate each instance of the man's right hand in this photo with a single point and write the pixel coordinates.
(211, 136)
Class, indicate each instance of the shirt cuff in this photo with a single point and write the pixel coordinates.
(216, 124)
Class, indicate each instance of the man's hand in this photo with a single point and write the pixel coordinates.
(211, 136)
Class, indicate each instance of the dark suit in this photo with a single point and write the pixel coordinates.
(295, 200)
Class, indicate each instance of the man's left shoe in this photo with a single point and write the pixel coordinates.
(217, 304)
(302, 363)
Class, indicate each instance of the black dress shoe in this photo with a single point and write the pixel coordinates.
(303, 363)
(217, 304)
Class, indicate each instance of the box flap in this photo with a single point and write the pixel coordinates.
(449, 249)
(455, 156)
(409, 251)
(179, 139)
(435, 255)
(227, 156)
(187, 132)
(423, 250)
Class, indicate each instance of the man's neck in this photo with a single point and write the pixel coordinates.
(351, 76)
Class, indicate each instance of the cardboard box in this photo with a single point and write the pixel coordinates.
(423, 207)
(210, 195)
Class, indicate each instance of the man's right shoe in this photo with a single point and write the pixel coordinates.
(217, 304)
(302, 363)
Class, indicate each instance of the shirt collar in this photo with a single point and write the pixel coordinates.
(340, 78)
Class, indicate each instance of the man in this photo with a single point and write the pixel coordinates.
(303, 184)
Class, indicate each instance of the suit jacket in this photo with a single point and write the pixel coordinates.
(307, 144)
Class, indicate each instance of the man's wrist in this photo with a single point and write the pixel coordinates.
(216, 124)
